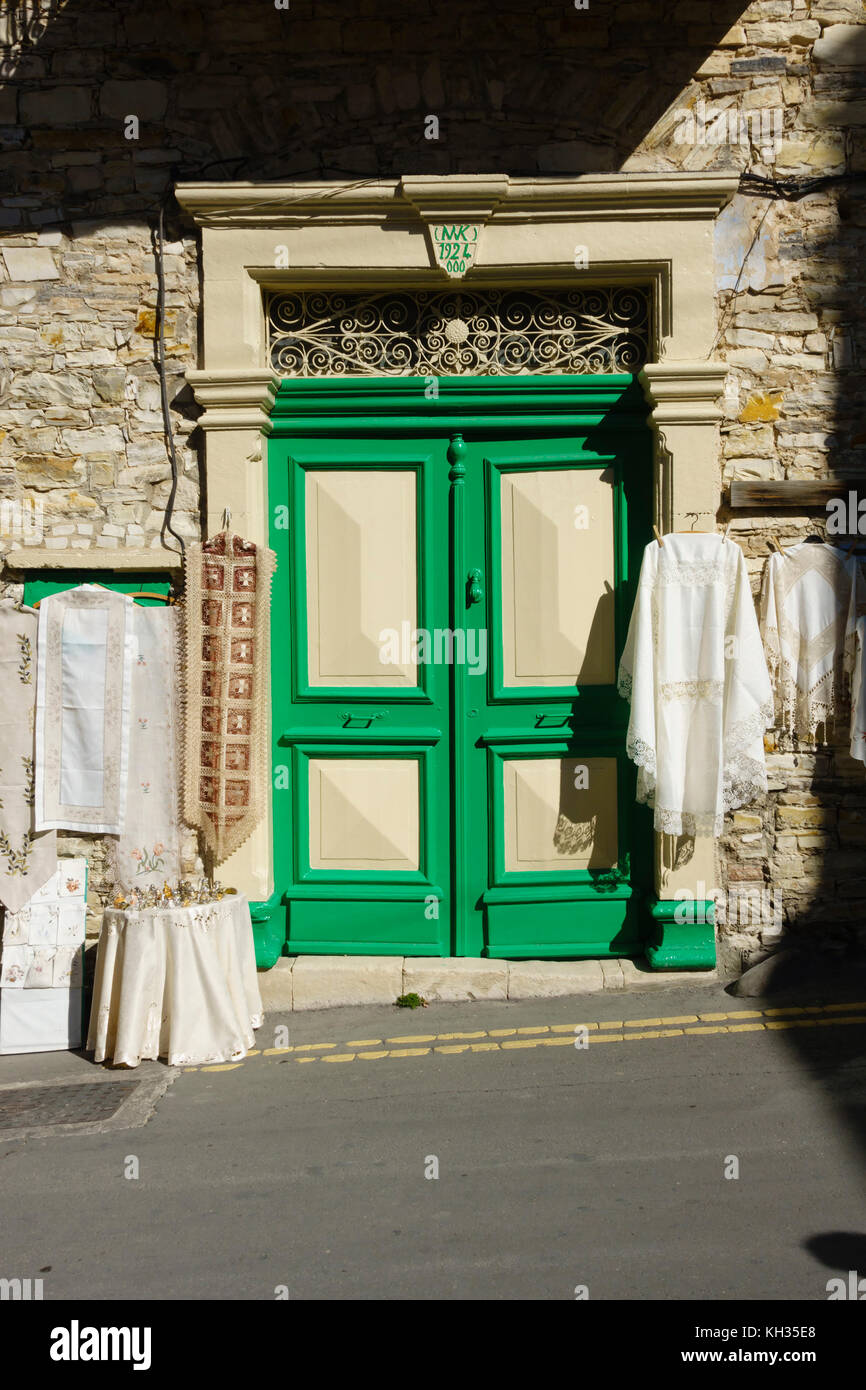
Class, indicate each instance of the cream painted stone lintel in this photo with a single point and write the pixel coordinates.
(463, 196)
(650, 229)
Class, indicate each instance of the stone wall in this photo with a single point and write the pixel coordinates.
(83, 438)
(345, 90)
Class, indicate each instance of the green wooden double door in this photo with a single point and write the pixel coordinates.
(451, 600)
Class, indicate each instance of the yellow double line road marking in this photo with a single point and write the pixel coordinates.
(562, 1035)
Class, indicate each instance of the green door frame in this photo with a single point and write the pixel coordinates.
(609, 416)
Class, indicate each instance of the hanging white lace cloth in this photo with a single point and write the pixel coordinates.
(809, 600)
(858, 694)
(148, 850)
(694, 670)
(82, 710)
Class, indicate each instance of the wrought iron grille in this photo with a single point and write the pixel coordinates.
(454, 332)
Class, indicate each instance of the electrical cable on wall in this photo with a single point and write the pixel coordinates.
(163, 386)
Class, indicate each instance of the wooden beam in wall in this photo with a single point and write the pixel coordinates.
(800, 492)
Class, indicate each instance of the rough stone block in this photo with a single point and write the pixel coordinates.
(324, 982)
(24, 263)
(275, 986)
(841, 46)
(451, 978)
(639, 975)
(145, 99)
(612, 974)
(548, 979)
(56, 106)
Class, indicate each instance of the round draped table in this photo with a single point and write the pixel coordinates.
(178, 983)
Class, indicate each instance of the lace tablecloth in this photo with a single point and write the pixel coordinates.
(178, 983)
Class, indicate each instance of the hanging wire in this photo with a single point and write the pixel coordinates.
(163, 386)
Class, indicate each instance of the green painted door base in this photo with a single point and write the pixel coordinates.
(673, 944)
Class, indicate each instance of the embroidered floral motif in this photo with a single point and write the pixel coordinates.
(25, 665)
(18, 860)
(149, 860)
(29, 780)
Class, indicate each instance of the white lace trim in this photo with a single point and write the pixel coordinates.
(692, 690)
(744, 779)
(641, 753)
(695, 573)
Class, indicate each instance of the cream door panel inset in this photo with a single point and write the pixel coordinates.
(361, 575)
(558, 577)
(555, 822)
(364, 813)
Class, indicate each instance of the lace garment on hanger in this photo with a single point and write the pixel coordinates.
(694, 671)
(810, 598)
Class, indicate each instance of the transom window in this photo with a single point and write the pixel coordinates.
(454, 332)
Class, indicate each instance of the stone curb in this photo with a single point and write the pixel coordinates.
(329, 982)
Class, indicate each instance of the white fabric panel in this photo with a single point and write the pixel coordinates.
(148, 852)
(26, 859)
(14, 964)
(86, 643)
(40, 1020)
(44, 921)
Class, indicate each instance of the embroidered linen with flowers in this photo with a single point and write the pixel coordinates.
(694, 670)
(227, 772)
(809, 602)
(148, 851)
(27, 860)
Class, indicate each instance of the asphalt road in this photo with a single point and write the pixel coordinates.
(558, 1166)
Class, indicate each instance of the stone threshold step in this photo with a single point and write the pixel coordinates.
(326, 982)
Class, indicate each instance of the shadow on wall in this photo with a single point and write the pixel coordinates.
(330, 91)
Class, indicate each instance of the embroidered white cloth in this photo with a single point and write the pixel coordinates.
(809, 600)
(178, 983)
(27, 860)
(43, 941)
(694, 671)
(148, 851)
(82, 710)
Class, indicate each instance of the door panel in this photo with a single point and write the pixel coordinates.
(548, 638)
(361, 549)
(544, 737)
(362, 730)
(364, 814)
(560, 814)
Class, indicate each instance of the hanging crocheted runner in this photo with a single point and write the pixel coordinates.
(27, 860)
(227, 765)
